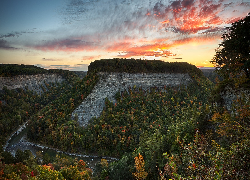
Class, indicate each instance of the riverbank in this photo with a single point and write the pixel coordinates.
(18, 140)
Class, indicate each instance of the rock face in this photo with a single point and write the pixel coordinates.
(33, 82)
(110, 83)
(229, 95)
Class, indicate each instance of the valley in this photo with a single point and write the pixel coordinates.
(122, 110)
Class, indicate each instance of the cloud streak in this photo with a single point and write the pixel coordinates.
(17, 34)
(68, 45)
(50, 59)
(5, 45)
(139, 28)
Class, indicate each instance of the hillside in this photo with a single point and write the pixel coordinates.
(113, 83)
(24, 90)
(162, 124)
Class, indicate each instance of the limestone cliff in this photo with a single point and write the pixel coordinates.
(229, 95)
(33, 82)
(110, 83)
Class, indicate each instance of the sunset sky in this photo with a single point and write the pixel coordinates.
(69, 34)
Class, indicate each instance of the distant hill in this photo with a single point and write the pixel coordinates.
(211, 74)
(10, 70)
(80, 74)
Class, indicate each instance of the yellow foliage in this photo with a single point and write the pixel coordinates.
(139, 165)
(104, 163)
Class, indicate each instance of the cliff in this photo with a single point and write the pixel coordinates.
(33, 82)
(230, 95)
(111, 83)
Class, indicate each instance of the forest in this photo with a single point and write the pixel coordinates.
(142, 66)
(182, 132)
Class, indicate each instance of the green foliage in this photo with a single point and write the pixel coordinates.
(226, 157)
(116, 170)
(142, 66)
(168, 127)
(233, 53)
(76, 169)
(152, 122)
(233, 126)
(53, 124)
(9, 70)
(18, 106)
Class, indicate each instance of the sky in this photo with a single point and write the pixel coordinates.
(70, 34)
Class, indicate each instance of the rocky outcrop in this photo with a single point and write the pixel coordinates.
(32, 82)
(229, 95)
(110, 83)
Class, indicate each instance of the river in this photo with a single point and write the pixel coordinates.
(18, 140)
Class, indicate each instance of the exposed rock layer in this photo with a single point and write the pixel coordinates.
(110, 83)
(33, 82)
(230, 95)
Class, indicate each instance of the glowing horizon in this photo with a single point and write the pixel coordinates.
(72, 33)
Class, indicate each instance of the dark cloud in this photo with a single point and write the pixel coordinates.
(8, 35)
(5, 45)
(228, 5)
(187, 3)
(214, 30)
(74, 10)
(17, 34)
(207, 10)
(13, 34)
(176, 4)
(67, 45)
(159, 9)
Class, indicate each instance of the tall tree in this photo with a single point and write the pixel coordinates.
(233, 55)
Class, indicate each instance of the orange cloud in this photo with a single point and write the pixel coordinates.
(190, 16)
(158, 48)
(129, 49)
(164, 22)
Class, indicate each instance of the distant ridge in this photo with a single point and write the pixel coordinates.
(10, 70)
(212, 68)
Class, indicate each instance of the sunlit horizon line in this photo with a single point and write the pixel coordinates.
(72, 67)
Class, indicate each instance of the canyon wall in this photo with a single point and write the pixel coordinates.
(33, 82)
(230, 95)
(110, 83)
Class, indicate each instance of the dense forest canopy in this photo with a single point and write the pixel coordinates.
(18, 105)
(142, 66)
(10, 70)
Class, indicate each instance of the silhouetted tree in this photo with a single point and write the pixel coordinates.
(233, 55)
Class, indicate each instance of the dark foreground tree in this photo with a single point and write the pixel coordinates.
(233, 55)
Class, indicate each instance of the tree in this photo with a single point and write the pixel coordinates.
(233, 55)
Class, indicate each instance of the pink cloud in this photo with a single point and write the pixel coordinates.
(190, 17)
